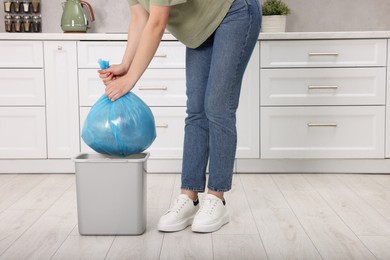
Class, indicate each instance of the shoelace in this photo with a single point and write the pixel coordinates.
(208, 206)
(178, 205)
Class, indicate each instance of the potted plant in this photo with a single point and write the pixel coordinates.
(274, 16)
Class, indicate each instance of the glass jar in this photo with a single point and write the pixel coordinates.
(27, 23)
(36, 23)
(36, 5)
(26, 6)
(18, 23)
(8, 23)
(7, 6)
(17, 6)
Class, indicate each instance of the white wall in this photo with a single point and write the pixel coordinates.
(307, 15)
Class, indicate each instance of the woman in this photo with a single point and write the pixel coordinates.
(220, 36)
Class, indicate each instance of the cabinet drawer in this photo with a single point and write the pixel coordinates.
(22, 132)
(170, 132)
(323, 53)
(22, 87)
(21, 54)
(168, 55)
(327, 86)
(323, 132)
(157, 87)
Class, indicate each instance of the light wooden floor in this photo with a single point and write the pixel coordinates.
(278, 216)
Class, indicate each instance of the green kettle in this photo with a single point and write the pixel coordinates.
(73, 17)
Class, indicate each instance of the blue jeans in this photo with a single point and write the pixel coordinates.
(214, 73)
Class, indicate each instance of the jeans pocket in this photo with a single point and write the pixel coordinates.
(238, 6)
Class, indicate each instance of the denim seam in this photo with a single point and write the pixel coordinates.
(241, 55)
(219, 190)
(192, 188)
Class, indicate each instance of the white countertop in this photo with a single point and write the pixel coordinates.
(167, 36)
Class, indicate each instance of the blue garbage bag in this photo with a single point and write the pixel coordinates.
(120, 128)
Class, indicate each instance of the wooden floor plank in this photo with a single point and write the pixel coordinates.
(283, 235)
(4, 178)
(262, 192)
(333, 239)
(187, 245)
(146, 246)
(45, 193)
(45, 236)
(360, 216)
(241, 218)
(378, 245)
(232, 247)
(368, 188)
(84, 247)
(159, 190)
(306, 216)
(382, 179)
(17, 187)
(14, 223)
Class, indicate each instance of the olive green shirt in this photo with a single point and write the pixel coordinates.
(191, 21)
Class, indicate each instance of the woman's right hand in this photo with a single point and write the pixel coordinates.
(110, 74)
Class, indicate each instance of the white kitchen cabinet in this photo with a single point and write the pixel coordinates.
(22, 87)
(322, 132)
(169, 54)
(170, 133)
(21, 54)
(156, 87)
(323, 99)
(388, 106)
(323, 53)
(325, 86)
(62, 99)
(22, 132)
(248, 118)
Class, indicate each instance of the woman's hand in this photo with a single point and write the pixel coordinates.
(118, 87)
(109, 74)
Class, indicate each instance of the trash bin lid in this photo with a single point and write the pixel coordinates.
(97, 157)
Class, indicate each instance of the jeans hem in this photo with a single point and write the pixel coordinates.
(219, 190)
(192, 188)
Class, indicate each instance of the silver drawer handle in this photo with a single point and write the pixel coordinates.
(323, 87)
(322, 124)
(160, 55)
(153, 88)
(162, 126)
(323, 54)
(59, 47)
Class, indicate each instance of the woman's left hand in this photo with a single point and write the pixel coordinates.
(118, 87)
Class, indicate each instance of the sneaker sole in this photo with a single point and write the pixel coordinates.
(177, 226)
(211, 227)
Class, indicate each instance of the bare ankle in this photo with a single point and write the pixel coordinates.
(192, 194)
(217, 194)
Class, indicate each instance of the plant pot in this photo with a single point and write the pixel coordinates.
(273, 23)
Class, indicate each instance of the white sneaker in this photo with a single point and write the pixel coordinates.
(179, 216)
(211, 216)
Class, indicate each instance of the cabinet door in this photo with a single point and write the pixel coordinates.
(170, 133)
(168, 55)
(388, 106)
(326, 86)
(323, 53)
(22, 87)
(322, 132)
(62, 99)
(22, 132)
(248, 111)
(21, 54)
(157, 87)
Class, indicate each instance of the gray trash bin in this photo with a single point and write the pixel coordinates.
(111, 194)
